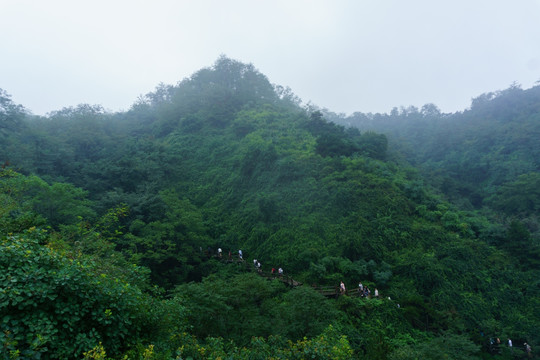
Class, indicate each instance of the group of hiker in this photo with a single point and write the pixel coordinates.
(210, 253)
(256, 263)
(258, 267)
(495, 343)
(363, 291)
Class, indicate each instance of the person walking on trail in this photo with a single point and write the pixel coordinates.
(280, 271)
(342, 287)
(528, 349)
(240, 255)
(219, 252)
(367, 292)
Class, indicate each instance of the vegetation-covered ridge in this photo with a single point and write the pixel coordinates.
(487, 155)
(107, 221)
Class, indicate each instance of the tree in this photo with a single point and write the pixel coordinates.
(447, 346)
(519, 244)
(374, 145)
(59, 306)
(17, 212)
(521, 196)
(11, 114)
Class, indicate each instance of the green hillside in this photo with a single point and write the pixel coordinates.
(120, 215)
(473, 156)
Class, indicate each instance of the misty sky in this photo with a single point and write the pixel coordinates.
(344, 55)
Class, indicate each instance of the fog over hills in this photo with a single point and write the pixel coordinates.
(412, 234)
(349, 56)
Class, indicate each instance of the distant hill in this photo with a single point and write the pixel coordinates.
(473, 156)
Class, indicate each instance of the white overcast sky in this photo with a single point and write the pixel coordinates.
(344, 55)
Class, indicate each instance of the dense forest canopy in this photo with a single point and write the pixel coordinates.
(471, 155)
(111, 224)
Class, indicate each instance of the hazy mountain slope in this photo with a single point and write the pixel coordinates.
(224, 159)
(467, 155)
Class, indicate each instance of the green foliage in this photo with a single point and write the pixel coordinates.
(247, 305)
(306, 313)
(61, 307)
(11, 115)
(374, 145)
(521, 196)
(329, 345)
(447, 346)
(333, 140)
(59, 203)
(16, 212)
(473, 155)
(519, 243)
(169, 248)
(372, 324)
(332, 270)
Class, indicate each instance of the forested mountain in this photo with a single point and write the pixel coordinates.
(471, 156)
(485, 158)
(111, 222)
